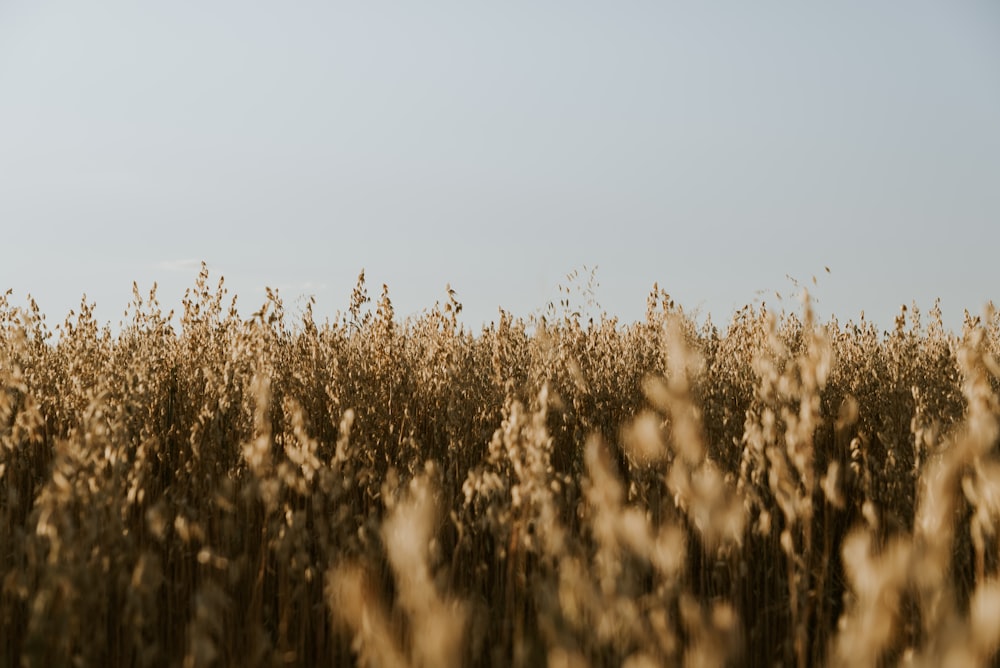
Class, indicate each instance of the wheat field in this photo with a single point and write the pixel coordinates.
(558, 491)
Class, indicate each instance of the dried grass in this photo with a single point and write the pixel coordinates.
(379, 492)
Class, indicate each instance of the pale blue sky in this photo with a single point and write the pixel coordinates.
(714, 147)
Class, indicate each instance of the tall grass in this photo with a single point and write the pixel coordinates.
(555, 491)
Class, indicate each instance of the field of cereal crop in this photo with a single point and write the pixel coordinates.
(551, 491)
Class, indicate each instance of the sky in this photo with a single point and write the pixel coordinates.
(727, 151)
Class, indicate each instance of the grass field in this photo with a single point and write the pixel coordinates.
(553, 491)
